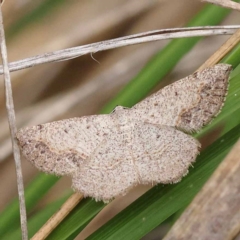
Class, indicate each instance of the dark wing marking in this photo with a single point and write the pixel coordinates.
(60, 147)
(189, 103)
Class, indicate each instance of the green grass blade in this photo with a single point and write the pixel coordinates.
(233, 57)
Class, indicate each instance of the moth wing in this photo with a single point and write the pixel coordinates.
(109, 171)
(189, 103)
(162, 154)
(61, 147)
(155, 154)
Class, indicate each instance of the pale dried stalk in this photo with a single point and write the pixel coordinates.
(151, 36)
(215, 211)
(225, 3)
(222, 51)
(53, 222)
(46, 229)
(13, 130)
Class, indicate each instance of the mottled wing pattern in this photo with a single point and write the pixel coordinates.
(61, 147)
(154, 154)
(162, 154)
(110, 170)
(189, 103)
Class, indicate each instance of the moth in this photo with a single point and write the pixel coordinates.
(106, 155)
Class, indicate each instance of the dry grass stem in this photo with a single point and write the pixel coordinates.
(150, 36)
(13, 130)
(215, 211)
(223, 50)
(225, 3)
(53, 222)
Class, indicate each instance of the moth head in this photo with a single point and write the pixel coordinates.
(119, 109)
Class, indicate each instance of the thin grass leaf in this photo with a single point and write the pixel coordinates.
(233, 57)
